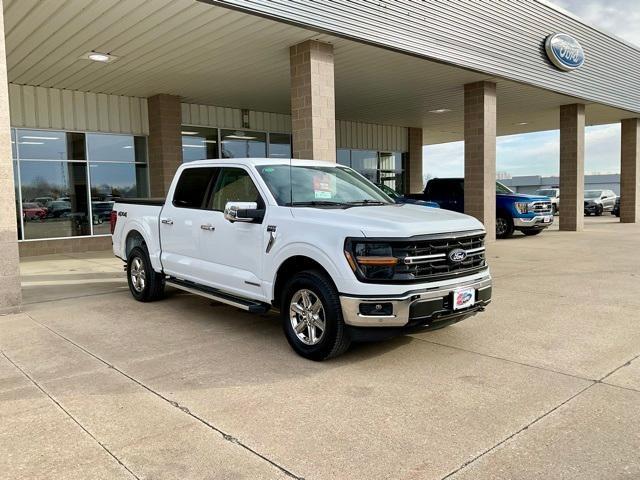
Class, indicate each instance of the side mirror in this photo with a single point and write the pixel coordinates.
(245, 212)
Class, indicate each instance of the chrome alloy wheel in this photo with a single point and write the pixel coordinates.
(307, 317)
(501, 226)
(138, 275)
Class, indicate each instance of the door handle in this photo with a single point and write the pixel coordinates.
(208, 227)
(167, 221)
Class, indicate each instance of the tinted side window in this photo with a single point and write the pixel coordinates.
(192, 187)
(234, 185)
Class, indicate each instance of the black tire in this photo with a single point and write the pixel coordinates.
(153, 286)
(504, 226)
(599, 210)
(334, 340)
(531, 232)
(554, 209)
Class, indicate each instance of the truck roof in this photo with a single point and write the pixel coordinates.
(262, 161)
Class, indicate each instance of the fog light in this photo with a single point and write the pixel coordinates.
(373, 309)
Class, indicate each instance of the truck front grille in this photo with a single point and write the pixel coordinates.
(541, 207)
(428, 258)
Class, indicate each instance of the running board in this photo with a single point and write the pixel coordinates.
(252, 306)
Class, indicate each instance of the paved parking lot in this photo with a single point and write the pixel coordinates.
(545, 384)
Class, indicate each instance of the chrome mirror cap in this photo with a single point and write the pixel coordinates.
(237, 211)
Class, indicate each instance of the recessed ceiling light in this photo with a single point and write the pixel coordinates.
(440, 110)
(99, 57)
(210, 141)
(521, 123)
(186, 145)
(189, 133)
(30, 143)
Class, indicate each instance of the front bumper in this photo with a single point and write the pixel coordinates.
(417, 307)
(592, 207)
(539, 221)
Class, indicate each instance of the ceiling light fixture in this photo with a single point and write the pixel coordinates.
(189, 133)
(240, 137)
(99, 57)
(33, 137)
(521, 123)
(30, 143)
(440, 110)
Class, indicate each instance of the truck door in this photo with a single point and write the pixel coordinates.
(180, 222)
(232, 252)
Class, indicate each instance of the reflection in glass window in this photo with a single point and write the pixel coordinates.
(343, 157)
(366, 163)
(279, 145)
(16, 184)
(243, 144)
(110, 148)
(199, 143)
(110, 181)
(50, 145)
(54, 199)
(390, 170)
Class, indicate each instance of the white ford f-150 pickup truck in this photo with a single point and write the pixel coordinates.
(315, 240)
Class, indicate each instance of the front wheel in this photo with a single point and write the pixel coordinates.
(312, 316)
(600, 210)
(145, 284)
(504, 226)
(531, 232)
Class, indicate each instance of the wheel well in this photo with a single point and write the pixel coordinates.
(290, 267)
(134, 239)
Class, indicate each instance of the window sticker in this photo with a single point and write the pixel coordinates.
(322, 186)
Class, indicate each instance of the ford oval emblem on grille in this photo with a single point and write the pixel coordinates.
(457, 255)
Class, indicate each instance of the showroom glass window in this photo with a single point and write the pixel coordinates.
(53, 184)
(279, 145)
(379, 167)
(199, 143)
(117, 169)
(243, 144)
(68, 180)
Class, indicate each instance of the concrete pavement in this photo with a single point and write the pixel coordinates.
(544, 384)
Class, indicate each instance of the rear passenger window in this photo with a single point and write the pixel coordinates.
(192, 187)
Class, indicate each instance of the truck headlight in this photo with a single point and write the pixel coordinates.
(374, 260)
(522, 207)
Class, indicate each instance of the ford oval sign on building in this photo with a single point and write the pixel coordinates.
(564, 51)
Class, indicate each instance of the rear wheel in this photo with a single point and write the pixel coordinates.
(145, 284)
(504, 226)
(312, 316)
(599, 210)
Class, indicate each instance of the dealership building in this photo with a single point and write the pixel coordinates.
(105, 99)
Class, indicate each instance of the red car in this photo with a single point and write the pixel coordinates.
(33, 211)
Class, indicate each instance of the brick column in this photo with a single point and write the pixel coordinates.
(480, 154)
(572, 167)
(10, 291)
(630, 170)
(165, 141)
(414, 182)
(313, 116)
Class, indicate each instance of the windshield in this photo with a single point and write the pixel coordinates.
(546, 193)
(592, 193)
(500, 188)
(314, 186)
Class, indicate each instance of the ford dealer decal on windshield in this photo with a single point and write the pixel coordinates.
(564, 51)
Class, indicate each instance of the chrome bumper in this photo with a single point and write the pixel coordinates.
(402, 304)
(537, 221)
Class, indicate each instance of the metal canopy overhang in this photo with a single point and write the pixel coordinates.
(216, 56)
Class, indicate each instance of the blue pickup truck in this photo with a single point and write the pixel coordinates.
(530, 214)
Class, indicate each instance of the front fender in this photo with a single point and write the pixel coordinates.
(337, 271)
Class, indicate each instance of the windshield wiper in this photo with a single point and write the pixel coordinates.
(366, 201)
(317, 203)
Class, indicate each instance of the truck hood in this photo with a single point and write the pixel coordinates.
(400, 220)
(521, 197)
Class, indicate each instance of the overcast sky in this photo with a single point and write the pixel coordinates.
(537, 153)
